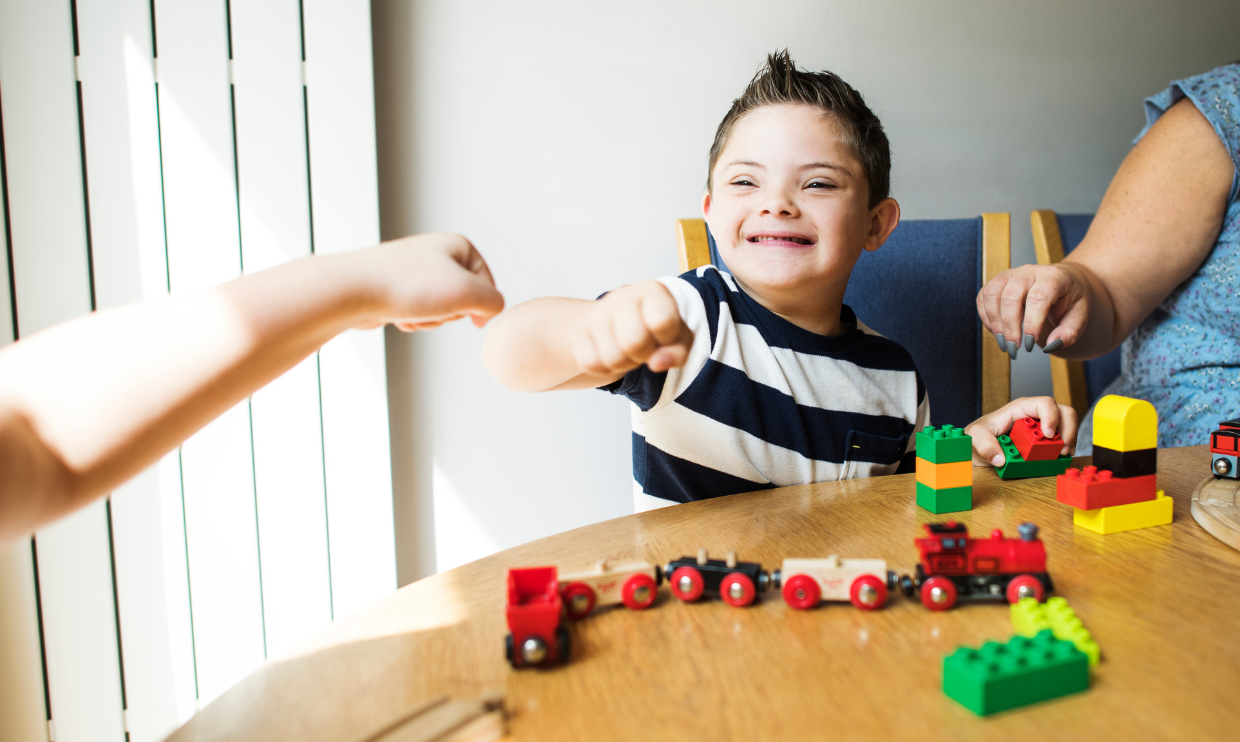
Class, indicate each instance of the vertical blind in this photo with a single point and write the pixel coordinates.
(155, 146)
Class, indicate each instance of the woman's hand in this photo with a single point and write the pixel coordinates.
(1044, 304)
(985, 431)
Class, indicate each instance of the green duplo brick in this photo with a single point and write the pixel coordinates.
(1017, 468)
(951, 500)
(944, 445)
(999, 677)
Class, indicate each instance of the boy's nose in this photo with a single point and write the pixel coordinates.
(779, 205)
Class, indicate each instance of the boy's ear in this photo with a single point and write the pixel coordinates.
(706, 205)
(883, 219)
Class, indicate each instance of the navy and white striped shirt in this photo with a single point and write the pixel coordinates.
(762, 403)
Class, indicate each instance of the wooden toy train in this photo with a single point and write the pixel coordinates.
(953, 567)
(1225, 449)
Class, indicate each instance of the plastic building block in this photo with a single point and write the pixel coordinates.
(998, 677)
(1125, 424)
(1032, 443)
(1017, 468)
(1118, 518)
(1029, 617)
(945, 476)
(1127, 464)
(939, 501)
(944, 445)
(1090, 489)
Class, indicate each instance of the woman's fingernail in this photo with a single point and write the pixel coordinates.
(1011, 349)
(1053, 346)
(1028, 343)
(1000, 340)
(998, 460)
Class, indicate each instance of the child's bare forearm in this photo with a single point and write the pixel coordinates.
(529, 348)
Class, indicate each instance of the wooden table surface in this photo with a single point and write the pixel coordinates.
(1163, 604)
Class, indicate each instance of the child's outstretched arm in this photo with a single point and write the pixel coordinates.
(552, 343)
(985, 431)
(87, 404)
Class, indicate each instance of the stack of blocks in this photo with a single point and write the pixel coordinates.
(944, 470)
(1120, 491)
(1029, 453)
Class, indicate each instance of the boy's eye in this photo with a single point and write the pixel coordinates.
(742, 182)
(820, 184)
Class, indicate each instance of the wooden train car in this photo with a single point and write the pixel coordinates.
(634, 583)
(536, 635)
(955, 567)
(737, 583)
(806, 582)
(1225, 449)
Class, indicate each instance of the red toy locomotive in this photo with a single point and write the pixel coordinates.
(1225, 449)
(955, 567)
(534, 618)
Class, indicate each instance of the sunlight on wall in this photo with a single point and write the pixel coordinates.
(459, 536)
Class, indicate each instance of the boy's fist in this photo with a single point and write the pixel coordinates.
(1054, 419)
(630, 326)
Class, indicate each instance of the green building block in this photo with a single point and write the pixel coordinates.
(1017, 468)
(944, 445)
(1030, 617)
(999, 677)
(950, 500)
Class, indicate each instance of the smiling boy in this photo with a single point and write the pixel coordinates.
(762, 377)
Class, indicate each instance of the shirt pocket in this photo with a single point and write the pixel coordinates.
(869, 455)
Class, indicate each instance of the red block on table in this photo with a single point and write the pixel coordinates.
(1033, 445)
(1092, 489)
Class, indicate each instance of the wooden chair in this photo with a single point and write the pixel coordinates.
(1076, 383)
(920, 289)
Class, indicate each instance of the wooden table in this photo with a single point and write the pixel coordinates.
(1163, 603)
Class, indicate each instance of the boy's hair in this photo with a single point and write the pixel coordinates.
(779, 81)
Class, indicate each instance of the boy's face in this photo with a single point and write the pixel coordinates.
(789, 204)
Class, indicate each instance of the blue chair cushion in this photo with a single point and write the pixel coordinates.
(1100, 372)
(919, 289)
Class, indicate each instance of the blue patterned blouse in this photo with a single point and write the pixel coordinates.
(1185, 357)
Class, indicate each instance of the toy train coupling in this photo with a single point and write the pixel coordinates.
(908, 585)
(737, 583)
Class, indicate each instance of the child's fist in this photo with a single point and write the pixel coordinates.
(987, 429)
(630, 326)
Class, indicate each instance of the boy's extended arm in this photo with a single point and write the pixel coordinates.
(553, 343)
(87, 404)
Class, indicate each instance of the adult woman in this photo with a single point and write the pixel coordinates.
(1158, 271)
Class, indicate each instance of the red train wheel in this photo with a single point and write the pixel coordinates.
(639, 592)
(938, 593)
(1025, 586)
(687, 584)
(868, 592)
(737, 589)
(578, 599)
(802, 592)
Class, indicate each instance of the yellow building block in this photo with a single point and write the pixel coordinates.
(1029, 617)
(1125, 424)
(945, 476)
(1134, 515)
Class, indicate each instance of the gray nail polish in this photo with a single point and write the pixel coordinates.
(1002, 342)
(1028, 343)
(1053, 346)
(1011, 349)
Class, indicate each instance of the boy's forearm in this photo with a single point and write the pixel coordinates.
(529, 347)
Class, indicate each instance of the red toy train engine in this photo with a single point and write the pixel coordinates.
(1225, 449)
(955, 567)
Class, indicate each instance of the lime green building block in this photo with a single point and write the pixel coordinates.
(950, 500)
(1017, 468)
(944, 445)
(1030, 617)
(998, 677)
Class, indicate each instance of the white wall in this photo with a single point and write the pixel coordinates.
(564, 138)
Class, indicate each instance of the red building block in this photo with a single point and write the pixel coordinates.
(1032, 444)
(1092, 489)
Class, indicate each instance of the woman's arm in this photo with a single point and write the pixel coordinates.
(87, 404)
(1159, 219)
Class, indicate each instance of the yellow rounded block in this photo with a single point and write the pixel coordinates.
(1125, 424)
(945, 476)
(1134, 515)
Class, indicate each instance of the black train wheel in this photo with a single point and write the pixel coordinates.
(508, 649)
(563, 644)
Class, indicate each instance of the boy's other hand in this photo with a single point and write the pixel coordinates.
(421, 282)
(630, 326)
(985, 431)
